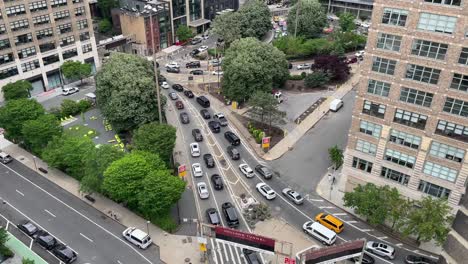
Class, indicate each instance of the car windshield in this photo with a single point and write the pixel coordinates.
(267, 188)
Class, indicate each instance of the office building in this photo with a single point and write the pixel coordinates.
(37, 36)
(410, 120)
(362, 9)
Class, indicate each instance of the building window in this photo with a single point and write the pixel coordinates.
(84, 36)
(383, 65)
(15, 10)
(440, 171)
(50, 59)
(452, 130)
(437, 23)
(178, 8)
(446, 152)
(363, 165)
(195, 9)
(405, 139)
(64, 28)
(87, 48)
(422, 74)
(82, 24)
(44, 33)
(374, 109)
(459, 82)
(6, 58)
(416, 97)
(3, 29)
(23, 39)
(366, 147)
(8, 72)
(69, 54)
(38, 20)
(19, 24)
(410, 119)
(27, 52)
(463, 59)
(394, 175)
(444, 2)
(39, 5)
(400, 158)
(79, 11)
(388, 42)
(55, 3)
(4, 44)
(30, 65)
(456, 107)
(378, 88)
(429, 49)
(395, 17)
(370, 128)
(434, 190)
(67, 41)
(61, 15)
(47, 46)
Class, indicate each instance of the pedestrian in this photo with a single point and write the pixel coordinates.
(333, 180)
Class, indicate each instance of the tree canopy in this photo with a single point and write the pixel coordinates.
(15, 113)
(250, 65)
(347, 22)
(265, 108)
(184, 33)
(75, 70)
(156, 138)
(228, 26)
(333, 66)
(125, 91)
(336, 156)
(311, 21)
(105, 7)
(17, 90)
(38, 132)
(104, 25)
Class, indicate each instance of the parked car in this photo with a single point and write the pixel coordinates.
(205, 114)
(264, 171)
(413, 259)
(214, 126)
(28, 228)
(246, 170)
(366, 259)
(197, 135)
(213, 216)
(217, 72)
(203, 190)
(137, 237)
(196, 40)
(172, 70)
(293, 196)
(202, 48)
(194, 149)
(303, 66)
(184, 118)
(64, 253)
(209, 161)
(193, 64)
(188, 93)
(178, 87)
(233, 153)
(173, 64)
(197, 170)
(230, 214)
(232, 138)
(164, 85)
(179, 105)
(251, 256)
(217, 182)
(69, 90)
(5, 158)
(381, 249)
(161, 78)
(216, 62)
(196, 72)
(319, 232)
(221, 119)
(360, 54)
(173, 96)
(266, 191)
(45, 240)
(194, 52)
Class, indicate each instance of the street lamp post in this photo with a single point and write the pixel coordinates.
(35, 165)
(155, 67)
(147, 227)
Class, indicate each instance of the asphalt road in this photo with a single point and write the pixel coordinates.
(95, 237)
(57, 100)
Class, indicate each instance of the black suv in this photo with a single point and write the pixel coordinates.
(233, 153)
(173, 70)
(196, 72)
(230, 214)
(178, 87)
(184, 118)
(232, 138)
(193, 64)
(188, 93)
(208, 158)
(213, 216)
(27, 227)
(264, 171)
(205, 114)
(214, 126)
(45, 240)
(64, 253)
(217, 182)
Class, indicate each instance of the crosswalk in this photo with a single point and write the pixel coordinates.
(224, 253)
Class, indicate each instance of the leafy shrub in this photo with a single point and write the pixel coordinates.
(166, 223)
(296, 77)
(70, 108)
(303, 75)
(316, 79)
(6, 252)
(84, 105)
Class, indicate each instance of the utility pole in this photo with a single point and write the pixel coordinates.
(155, 67)
(297, 17)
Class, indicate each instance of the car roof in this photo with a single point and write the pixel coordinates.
(137, 233)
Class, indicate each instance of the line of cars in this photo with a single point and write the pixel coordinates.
(48, 242)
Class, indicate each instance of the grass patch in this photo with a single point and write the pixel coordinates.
(81, 131)
(166, 223)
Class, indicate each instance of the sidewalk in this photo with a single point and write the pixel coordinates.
(166, 242)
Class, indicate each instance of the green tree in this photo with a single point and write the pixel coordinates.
(349, 41)
(37, 133)
(3, 236)
(67, 153)
(156, 138)
(347, 22)
(104, 26)
(265, 108)
(126, 91)
(311, 19)
(336, 156)
(75, 70)
(398, 208)
(255, 19)
(316, 79)
(250, 65)
(96, 162)
(184, 33)
(15, 113)
(105, 7)
(17, 90)
(27, 261)
(430, 219)
(228, 26)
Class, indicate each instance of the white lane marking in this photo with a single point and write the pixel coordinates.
(237, 249)
(30, 244)
(22, 194)
(80, 214)
(366, 230)
(87, 238)
(232, 254)
(315, 200)
(118, 261)
(326, 207)
(47, 211)
(399, 244)
(338, 214)
(214, 252)
(351, 222)
(214, 197)
(225, 252)
(382, 238)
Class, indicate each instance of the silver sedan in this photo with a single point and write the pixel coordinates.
(292, 195)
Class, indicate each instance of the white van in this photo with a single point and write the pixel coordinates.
(5, 158)
(335, 105)
(319, 232)
(137, 237)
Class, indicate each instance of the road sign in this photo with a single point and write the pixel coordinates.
(182, 169)
(202, 247)
(266, 142)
